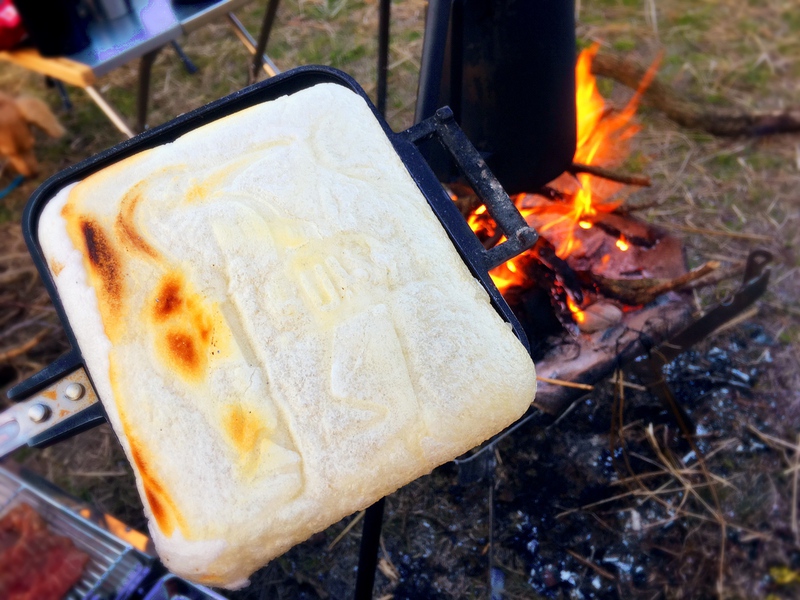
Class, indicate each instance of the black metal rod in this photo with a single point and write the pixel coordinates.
(437, 21)
(384, 17)
(263, 38)
(145, 67)
(368, 554)
(456, 57)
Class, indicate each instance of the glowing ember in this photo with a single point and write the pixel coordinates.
(584, 224)
(622, 244)
(576, 311)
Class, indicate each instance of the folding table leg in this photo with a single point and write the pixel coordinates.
(109, 111)
(249, 43)
(145, 66)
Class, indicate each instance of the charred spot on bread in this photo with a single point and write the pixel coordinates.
(104, 262)
(161, 505)
(169, 298)
(182, 350)
(189, 328)
(125, 225)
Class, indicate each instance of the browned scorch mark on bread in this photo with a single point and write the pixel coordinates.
(169, 298)
(56, 267)
(125, 225)
(182, 351)
(244, 429)
(105, 272)
(189, 329)
(163, 507)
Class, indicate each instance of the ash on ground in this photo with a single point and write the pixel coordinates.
(591, 506)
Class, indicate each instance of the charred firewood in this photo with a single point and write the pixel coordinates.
(546, 254)
(639, 292)
(717, 121)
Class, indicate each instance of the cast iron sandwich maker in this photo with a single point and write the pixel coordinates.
(60, 400)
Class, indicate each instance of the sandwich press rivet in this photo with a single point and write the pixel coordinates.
(74, 391)
(38, 413)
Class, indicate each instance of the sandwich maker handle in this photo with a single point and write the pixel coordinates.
(519, 235)
(58, 369)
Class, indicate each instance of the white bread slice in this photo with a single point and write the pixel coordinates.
(278, 326)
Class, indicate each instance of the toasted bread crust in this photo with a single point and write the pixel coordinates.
(278, 326)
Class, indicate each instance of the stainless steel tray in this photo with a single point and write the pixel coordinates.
(114, 568)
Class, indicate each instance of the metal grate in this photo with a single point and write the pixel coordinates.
(112, 564)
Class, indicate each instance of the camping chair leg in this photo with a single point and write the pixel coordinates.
(368, 554)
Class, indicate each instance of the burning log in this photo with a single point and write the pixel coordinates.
(721, 122)
(639, 292)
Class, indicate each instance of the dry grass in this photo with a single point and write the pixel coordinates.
(724, 196)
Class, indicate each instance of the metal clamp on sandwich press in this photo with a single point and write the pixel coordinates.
(519, 235)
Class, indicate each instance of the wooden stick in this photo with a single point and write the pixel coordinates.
(569, 384)
(734, 270)
(14, 352)
(592, 565)
(717, 121)
(346, 530)
(640, 180)
(644, 291)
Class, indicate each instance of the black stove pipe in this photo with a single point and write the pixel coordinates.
(507, 69)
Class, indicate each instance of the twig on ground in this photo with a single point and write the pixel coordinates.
(592, 565)
(346, 530)
(616, 379)
(640, 180)
(741, 318)
(23, 348)
(569, 384)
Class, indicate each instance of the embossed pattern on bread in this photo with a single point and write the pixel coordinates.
(278, 326)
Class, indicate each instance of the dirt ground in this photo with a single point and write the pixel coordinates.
(575, 511)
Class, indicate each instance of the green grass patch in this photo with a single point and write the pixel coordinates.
(792, 19)
(624, 44)
(757, 77)
(698, 19)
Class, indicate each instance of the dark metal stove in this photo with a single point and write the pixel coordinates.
(507, 70)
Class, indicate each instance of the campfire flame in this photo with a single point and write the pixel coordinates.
(602, 136)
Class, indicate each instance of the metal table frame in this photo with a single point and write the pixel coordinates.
(151, 25)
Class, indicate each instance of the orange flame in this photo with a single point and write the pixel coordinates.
(601, 134)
